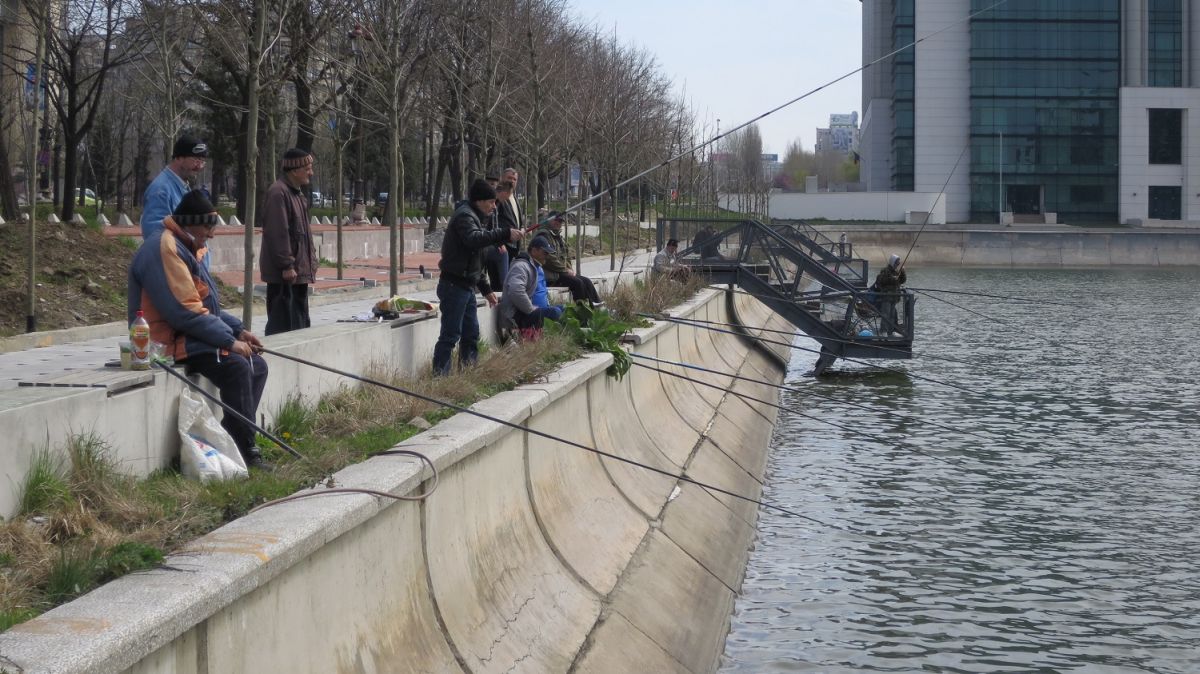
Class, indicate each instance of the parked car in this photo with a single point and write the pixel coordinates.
(89, 197)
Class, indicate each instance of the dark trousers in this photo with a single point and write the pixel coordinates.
(581, 287)
(287, 307)
(460, 325)
(240, 381)
(495, 261)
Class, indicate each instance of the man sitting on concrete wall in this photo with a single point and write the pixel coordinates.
(178, 297)
(559, 273)
(520, 310)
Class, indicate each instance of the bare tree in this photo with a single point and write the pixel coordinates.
(91, 39)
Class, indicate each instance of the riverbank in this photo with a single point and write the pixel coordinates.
(1021, 245)
(528, 553)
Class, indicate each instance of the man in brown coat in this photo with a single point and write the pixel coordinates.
(288, 260)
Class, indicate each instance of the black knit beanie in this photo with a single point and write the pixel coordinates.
(481, 191)
(195, 209)
(296, 158)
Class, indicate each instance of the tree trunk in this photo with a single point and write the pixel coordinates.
(70, 171)
(31, 188)
(305, 122)
(337, 149)
(8, 192)
(394, 209)
(250, 162)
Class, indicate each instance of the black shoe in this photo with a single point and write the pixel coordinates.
(255, 460)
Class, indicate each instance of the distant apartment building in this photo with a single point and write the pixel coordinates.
(1088, 109)
(841, 136)
(16, 93)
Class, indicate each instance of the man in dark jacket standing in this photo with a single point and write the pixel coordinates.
(887, 286)
(288, 260)
(462, 274)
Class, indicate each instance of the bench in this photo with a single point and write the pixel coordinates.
(114, 380)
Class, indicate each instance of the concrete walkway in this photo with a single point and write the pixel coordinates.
(93, 352)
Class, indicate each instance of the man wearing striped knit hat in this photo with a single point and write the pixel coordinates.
(288, 259)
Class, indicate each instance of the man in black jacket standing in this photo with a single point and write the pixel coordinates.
(462, 274)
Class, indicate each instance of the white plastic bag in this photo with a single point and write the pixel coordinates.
(208, 452)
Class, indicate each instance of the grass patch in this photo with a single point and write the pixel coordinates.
(83, 523)
(44, 486)
(649, 296)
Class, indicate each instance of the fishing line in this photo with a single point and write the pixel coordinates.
(1011, 298)
(781, 408)
(887, 442)
(793, 333)
(229, 410)
(370, 492)
(935, 202)
(794, 389)
(911, 45)
(1006, 323)
(816, 351)
(459, 408)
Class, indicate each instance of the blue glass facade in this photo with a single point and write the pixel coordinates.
(1044, 108)
(1164, 43)
(903, 82)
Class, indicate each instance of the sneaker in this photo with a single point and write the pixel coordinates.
(255, 460)
(598, 305)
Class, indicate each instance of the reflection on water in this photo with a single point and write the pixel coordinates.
(1060, 534)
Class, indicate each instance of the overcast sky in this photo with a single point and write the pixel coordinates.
(739, 58)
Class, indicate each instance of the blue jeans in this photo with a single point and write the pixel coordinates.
(460, 325)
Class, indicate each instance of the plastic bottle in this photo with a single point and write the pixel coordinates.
(139, 340)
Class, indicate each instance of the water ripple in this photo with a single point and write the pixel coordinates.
(1064, 539)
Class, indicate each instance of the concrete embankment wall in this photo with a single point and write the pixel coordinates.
(530, 555)
(1059, 247)
(140, 423)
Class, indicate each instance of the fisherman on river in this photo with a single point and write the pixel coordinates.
(887, 285)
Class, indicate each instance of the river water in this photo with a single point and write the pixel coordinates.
(1052, 528)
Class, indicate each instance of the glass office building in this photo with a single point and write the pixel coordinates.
(1076, 111)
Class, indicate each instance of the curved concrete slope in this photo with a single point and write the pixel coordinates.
(531, 556)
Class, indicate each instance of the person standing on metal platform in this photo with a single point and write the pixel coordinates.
(887, 285)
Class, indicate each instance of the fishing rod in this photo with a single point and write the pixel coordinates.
(878, 438)
(793, 389)
(1010, 298)
(533, 431)
(719, 136)
(330, 490)
(229, 410)
(816, 351)
(831, 339)
(936, 201)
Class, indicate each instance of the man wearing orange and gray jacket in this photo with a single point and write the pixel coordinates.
(288, 260)
(169, 284)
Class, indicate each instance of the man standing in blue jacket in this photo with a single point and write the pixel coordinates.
(178, 298)
(167, 189)
(462, 274)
